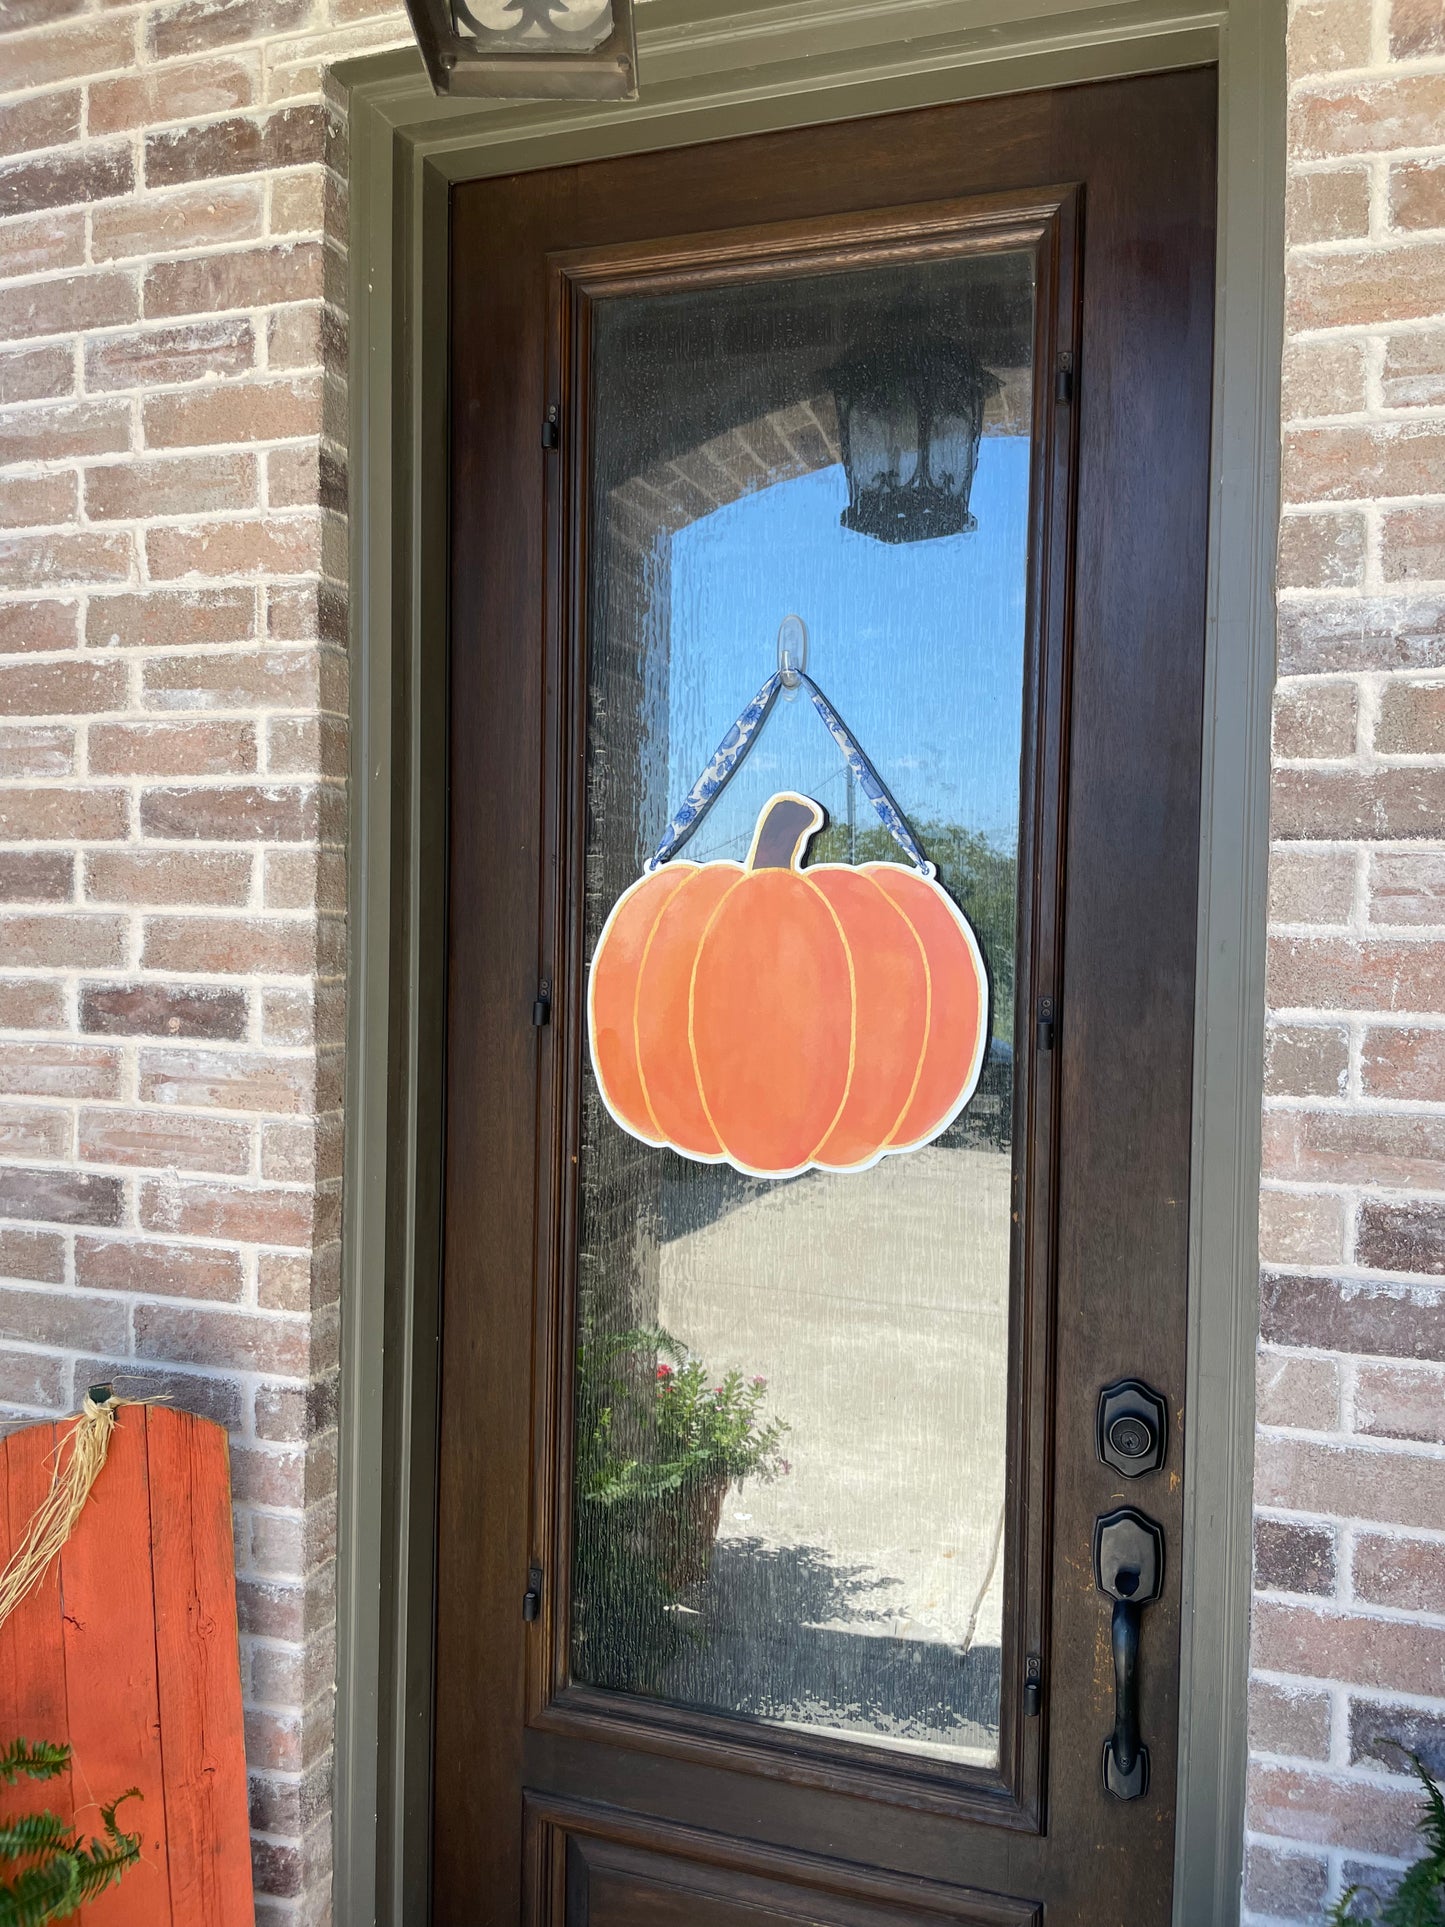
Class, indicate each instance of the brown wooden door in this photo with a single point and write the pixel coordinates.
(770, 1459)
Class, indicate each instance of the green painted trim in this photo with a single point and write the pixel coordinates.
(714, 68)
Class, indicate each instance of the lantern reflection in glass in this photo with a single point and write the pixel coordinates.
(910, 423)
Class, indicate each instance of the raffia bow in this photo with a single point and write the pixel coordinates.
(76, 1471)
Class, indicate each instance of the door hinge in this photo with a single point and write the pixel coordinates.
(532, 1597)
(1033, 1686)
(542, 1009)
(552, 427)
(1064, 378)
(1044, 1027)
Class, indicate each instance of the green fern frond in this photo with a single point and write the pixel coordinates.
(102, 1862)
(33, 1833)
(36, 1759)
(41, 1895)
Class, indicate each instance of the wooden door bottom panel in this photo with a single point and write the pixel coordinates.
(593, 1866)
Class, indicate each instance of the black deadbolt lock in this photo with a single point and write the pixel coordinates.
(1133, 1428)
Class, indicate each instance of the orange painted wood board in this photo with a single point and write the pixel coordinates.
(128, 1651)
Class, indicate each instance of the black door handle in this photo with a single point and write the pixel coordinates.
(1129, 1568)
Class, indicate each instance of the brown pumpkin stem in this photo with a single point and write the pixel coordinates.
(784, 829)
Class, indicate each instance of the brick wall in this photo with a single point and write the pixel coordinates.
(172, 744)
(1349, 1632)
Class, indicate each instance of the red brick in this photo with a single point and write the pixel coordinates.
(302, 611)
(1325, 551)
(1314, 719)
(34, 1379)
(1369, 117)
(304, 203)
(36, 749)
(1407, 887)
(161, 1270)
(246, 278)
(1327, 206)
(238, 946)
(293, 1414)
(193, 26)
(1412, 719)
(63, 1318)
(255, 1342)
(293, 1281)
(166, 618)
(227, 1080)
(246, 1214)
(1293, 1557)
(59, 1197)
(162, 1010)
(1407, 1237)
(242, 144)
(35, 1255)
(1416, 27)
(1317, 1642)
(189, 351)
(1341, 973)
(275, 545)
(33, 60)
(1347, 804)
(1323, 378)
(27, 627)
(1414, 372)
(67, 556)
(238, 812)
(1412, 544)
(176, 484)
(163, 1140)
(1306, 1060)
(304, 1152)
(1404, 281)
(59, 1070)
(36, 876)
(87, 814)
(36, 374)
(68, 428)
(1405, 1061)
(172, 223)
(1360, 1316)
(1311, 886)
(296, 337)
(172, 749)
(1289, 1720)
(35, 501)
(42, 244)
(1325, 34)
(61, 688)
(1329, 1809)
(1303, 1393)
(91, 173)
(153, 877)
(260, 411)
(264, 679)
(40, 120)
(62, 940)
(1365, 460)
(309, 745)
(305, 879)
(1416, 194)
(1400, 1402)
(34, 1131)
(1391, 1570)
(1320, 635)
(149, 99)
(1394, 1488)
(68, 302)
(1285, 1885)
(27, 1003)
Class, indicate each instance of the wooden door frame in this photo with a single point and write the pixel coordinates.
(715, 68)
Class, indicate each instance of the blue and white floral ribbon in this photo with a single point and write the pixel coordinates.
(728, 758)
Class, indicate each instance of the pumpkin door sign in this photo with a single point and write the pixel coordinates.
(781, 1018)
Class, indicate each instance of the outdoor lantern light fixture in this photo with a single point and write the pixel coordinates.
(528, 49)
(910, 419)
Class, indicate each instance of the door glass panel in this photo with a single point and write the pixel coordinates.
(791, 1393)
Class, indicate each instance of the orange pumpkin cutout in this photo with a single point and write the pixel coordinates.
(783, 1020)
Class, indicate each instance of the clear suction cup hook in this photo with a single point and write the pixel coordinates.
(792, 653)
